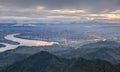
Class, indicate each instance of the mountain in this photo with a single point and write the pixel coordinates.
(38, 63)
(117, 68)
(106, 50)
(98, 50)
(46, 62)
(22, 52)
(89, 51)
(102, 44)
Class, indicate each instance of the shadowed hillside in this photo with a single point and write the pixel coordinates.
(46, 62)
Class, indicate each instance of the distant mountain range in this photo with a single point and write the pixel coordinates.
(46, 62)
(25, 23)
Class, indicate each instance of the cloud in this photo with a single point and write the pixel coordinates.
(116, 12)
(68, 11)
(57, 10)
(109, 16)
(59, 4)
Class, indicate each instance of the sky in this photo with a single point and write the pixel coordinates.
(60, 11)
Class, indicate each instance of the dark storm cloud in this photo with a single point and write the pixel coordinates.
(54, 4)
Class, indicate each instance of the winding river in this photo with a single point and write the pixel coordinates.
(23, 42)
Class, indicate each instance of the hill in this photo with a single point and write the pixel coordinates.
(106, 50)
(109, 52)
(46, 62)
(22, 52)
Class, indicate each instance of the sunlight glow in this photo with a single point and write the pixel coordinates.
(65, 11)
(109, 16)
(40, 8)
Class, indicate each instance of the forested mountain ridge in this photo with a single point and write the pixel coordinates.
(46, 62)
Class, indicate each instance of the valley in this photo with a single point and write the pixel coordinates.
(79, 41)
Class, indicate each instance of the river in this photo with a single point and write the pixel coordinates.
(23, 42)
